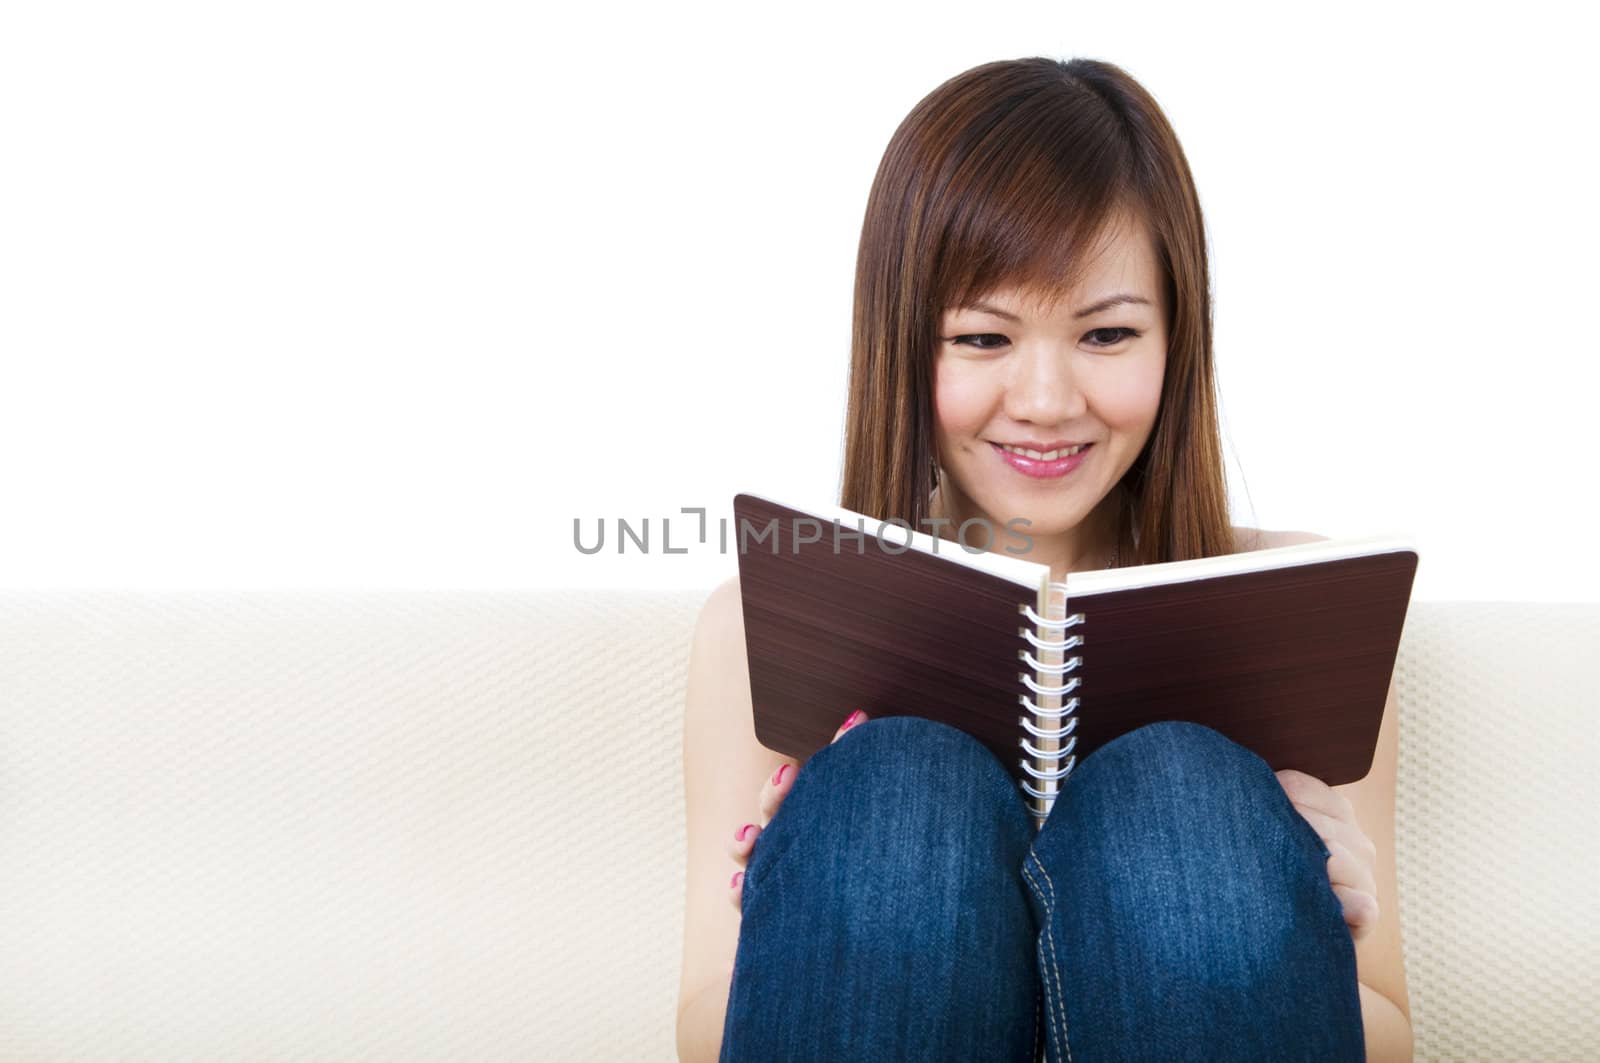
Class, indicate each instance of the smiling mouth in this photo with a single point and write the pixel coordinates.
(1055, 463)
(1044, 455)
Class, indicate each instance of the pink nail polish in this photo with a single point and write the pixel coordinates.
(851, 720)
(733, 882)
(744, 830)
(777, 776)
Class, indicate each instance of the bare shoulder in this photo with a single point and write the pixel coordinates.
(1247, 539)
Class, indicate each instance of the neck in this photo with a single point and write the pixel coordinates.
(1087, 545)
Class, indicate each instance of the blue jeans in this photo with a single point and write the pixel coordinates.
(1174, 906)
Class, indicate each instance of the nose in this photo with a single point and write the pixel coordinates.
(1045, 387)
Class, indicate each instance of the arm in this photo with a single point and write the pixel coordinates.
(1380, 963)
(724, 769)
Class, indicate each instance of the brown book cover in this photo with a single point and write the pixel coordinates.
(1288, 651)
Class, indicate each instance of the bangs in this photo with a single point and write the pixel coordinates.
(1030, 208)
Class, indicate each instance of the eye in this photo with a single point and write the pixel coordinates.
(1100, 337)
(1110, 337)
(966, 340)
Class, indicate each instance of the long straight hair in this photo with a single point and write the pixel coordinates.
(1009, 174)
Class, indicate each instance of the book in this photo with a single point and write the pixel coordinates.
(1288, 651)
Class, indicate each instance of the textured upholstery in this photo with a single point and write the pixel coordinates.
(449, 825)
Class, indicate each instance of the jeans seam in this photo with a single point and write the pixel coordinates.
(1061, 996)
(1054, 966)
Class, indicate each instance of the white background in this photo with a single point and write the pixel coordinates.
(386, 295)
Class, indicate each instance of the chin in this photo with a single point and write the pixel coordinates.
(1044, 519)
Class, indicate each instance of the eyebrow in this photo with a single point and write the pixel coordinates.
(1120, 299)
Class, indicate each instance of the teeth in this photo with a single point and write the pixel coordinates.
(1049, 455)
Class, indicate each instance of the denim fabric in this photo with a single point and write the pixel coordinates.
(1174, 906)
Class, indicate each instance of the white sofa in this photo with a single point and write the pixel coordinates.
(401, 825)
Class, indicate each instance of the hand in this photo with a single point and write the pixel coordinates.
(1351, 855)
(773, 791)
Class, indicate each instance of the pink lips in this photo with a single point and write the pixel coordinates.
(1042, 470)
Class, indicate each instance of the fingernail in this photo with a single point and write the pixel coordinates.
(744, 830)
(851, 720)
(734, 882)
(777, 776)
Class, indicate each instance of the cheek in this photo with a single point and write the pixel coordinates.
(962, 402)
(1132, 400)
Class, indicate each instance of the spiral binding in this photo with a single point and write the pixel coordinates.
(1066, 722)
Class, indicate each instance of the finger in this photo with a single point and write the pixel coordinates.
(742, 842)
(854, 719)
(1360, 910)
(1312, 792)
(1346, 869)
(775, 789)
(1332, 830)
(736, 890)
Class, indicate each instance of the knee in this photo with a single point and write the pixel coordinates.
(896, 761)
(1178, 790)
(1175, 752)
(1174, 734)
(1176, 776)
(900, 777)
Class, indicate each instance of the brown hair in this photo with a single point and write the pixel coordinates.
(1007, 174)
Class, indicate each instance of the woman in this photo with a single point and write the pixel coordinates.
(1032, 339)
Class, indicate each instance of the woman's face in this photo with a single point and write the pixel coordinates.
(1014, 372)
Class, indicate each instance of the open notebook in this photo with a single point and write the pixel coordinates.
(1287, 651)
